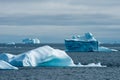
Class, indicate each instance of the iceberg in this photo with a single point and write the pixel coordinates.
(11, 43)
(31, 41)
(42, 56)
(85, 43)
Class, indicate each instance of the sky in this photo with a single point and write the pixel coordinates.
(52, 21)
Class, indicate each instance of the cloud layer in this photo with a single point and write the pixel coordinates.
(66, 17)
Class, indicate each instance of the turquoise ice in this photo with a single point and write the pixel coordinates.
(42, 56)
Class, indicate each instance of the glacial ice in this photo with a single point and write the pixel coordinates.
(6, 65)
(6, 57)
(85, 43)
(31, 41)
(42, 56)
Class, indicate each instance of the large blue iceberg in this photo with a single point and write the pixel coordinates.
(85, 43)
(42, 56)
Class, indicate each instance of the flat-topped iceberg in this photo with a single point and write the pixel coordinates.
(42, 56)
(85, 43)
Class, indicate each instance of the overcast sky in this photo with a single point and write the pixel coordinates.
(56, 20)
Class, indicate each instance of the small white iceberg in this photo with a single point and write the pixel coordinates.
(31, 41)
(11, 43)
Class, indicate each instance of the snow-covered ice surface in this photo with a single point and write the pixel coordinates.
(86, 37)
(42, 56)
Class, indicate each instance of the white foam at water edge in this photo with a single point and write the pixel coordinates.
(91, 65)
(105, 49)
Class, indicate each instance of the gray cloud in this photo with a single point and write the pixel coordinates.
(17, 7)
(29, 18)
(87, 19)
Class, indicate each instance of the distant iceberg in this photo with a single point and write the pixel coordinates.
(31, 41)
(11, 43)
(42, 56)
(85, 43)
